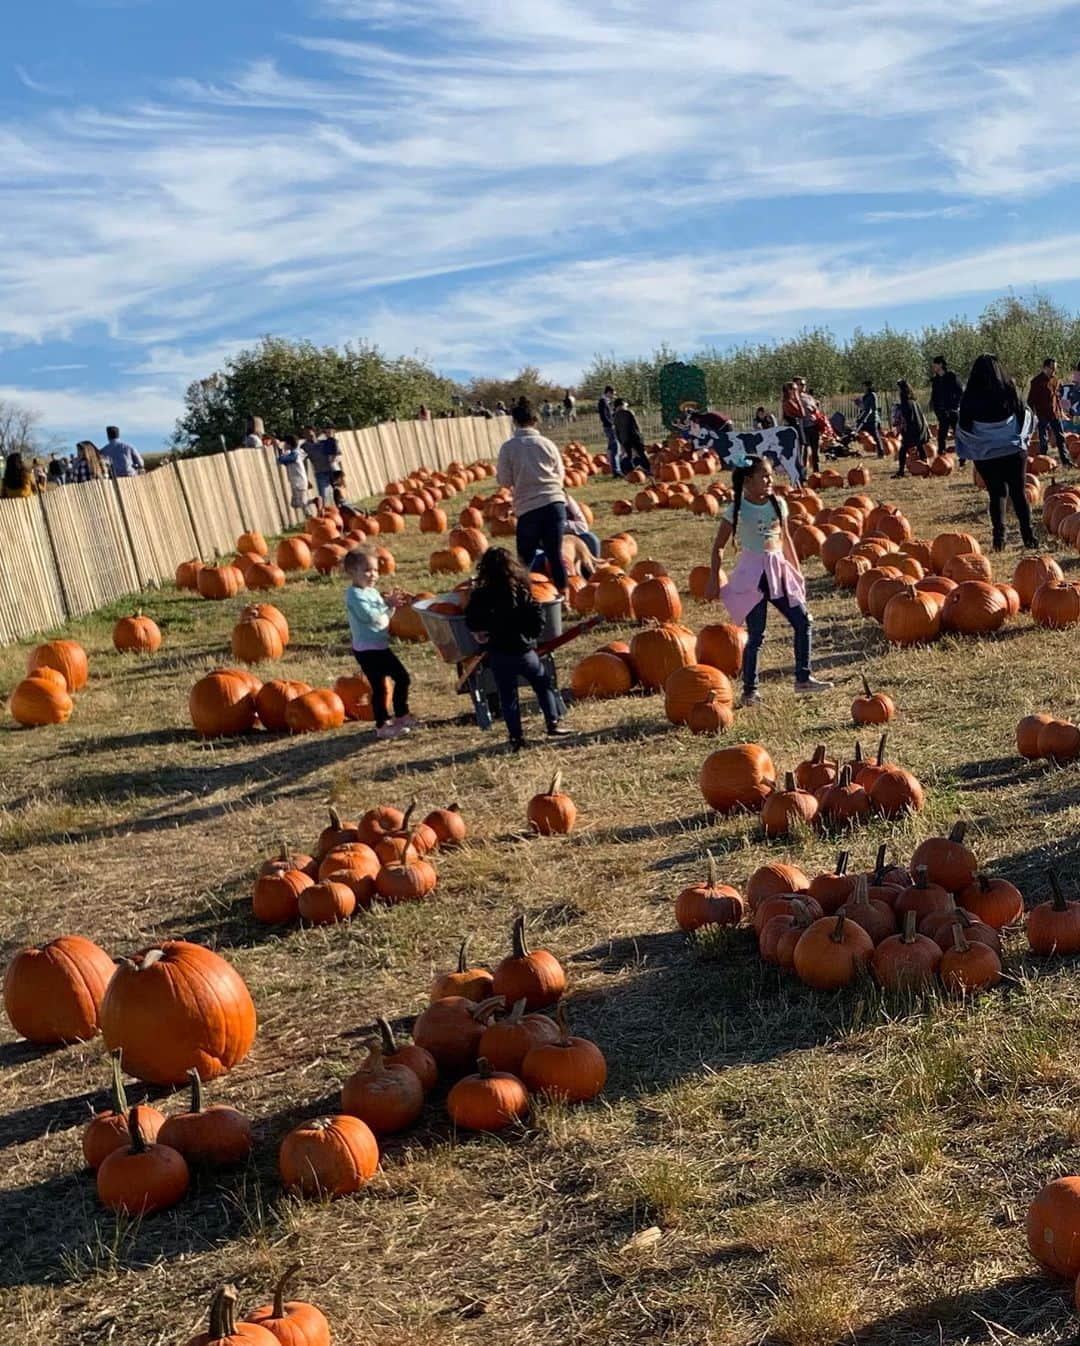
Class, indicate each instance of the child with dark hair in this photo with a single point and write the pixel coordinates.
(767, 571)
(506, 619)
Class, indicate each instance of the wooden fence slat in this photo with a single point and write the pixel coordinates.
(94, 554)
(158, 522)
(30, 595)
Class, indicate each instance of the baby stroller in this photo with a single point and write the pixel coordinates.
(842, 437)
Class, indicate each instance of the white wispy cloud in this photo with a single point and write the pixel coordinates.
(358, 156)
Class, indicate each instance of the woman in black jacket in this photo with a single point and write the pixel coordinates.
(910, 421)
(506, 619)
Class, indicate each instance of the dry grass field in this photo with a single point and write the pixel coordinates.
(820, 1169)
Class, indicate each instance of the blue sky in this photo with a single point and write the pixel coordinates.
(492, 182)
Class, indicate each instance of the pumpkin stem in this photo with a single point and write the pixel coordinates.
(284, 856)
(837, 935)
(879, 864)
(713, 873)
(280, 1288)
(958, 832)
(196, 1090)
(909, 928)
(483, 1068)
(556, 783)
(138, 1140)
(845, 775)
(517, 1012)
(861, 895)
(857, 758)
(407, 816)
(483, 1009)
(463, 955)
(223, 1314)
(960, 944)
(564, 1027)
(984, 881)
(881, 749)
(151, 957)
(520, 944)
(1058, 902)
(389, 1042)
(335, 819)
(819, 755)
(789, 782)
(922, 877)
(119, 1094)
(842, 863)
(866, 685)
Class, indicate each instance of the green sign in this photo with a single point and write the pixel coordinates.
(682, 388)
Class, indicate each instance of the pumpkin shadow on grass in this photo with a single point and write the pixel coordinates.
(996, 773)
(54, 1232)
(1027, 1307)
(63, 1114)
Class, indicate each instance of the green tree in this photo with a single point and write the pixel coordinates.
(295, 384)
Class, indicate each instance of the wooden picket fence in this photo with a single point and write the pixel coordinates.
(75, 548)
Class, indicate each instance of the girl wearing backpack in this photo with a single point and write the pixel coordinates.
(767, 571)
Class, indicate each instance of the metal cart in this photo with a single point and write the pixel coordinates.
(457, 645)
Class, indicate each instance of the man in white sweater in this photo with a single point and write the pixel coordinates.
(532, 467)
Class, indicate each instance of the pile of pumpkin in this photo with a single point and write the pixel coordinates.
(675, 492)
(383, 856)
(820, 792)
(939, 918)
(53, 672)
(1043, 736)
(423, 489)
(917, 589)
(232, 701)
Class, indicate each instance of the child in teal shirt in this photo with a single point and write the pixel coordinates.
(369, 626)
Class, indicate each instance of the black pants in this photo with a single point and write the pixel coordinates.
(542, 530)
(377, 666)
(812, 436)
(1053, 427)
(506, 669)
(1005, 476)
(905, 449)
(946, 421)
(633, 455)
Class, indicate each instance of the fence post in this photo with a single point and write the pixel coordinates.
(57, 567)
(249, 525)
(187, 505)
(139, 575)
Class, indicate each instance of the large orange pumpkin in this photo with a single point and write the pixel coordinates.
(54, 993)
(39, 700)
(739, 777)
(174, 1008)
(1056, 604)
(658, 651)
(66, 656)
(974, 608)
(222, 704)
(947, 545)
(686, 687)
(138, 633)
(721, 644)
(656, 598)
(601, 675)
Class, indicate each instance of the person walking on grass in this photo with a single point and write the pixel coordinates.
(946, 390)
(628, 437)
(369, 626)
(1044, 399)
(507, 620)
(532, 467)
(294, 460)
(909, 420)
(811, 427)
(606, 409)
(870, 417)
(767, 571)
(324, 456)
(992, 433)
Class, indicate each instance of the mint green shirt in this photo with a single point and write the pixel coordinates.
(369, 618)
(759, 528)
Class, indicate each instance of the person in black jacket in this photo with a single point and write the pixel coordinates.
(606, 409)
(628, 435)
(506, 619)
(946, 390)
(908, 418)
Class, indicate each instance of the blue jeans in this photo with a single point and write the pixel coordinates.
(506, 669)
(612, 450)
(322, 487)
(591, 541)
(1053, 424)
(875, 432)
(801, 624)
(542, 530)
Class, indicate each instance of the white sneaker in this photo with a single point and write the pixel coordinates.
(812, 685)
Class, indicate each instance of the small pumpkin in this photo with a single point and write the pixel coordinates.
(327, 902)
(37, 701)
(272, 700)
(507, 1041)
(328, 1157)
(775, 877)
(137, 634)
(218, 1136)
(817, 771)
(876, 918)
(54, 993)
(832, 952)
(721, 644)
(448, 826)
(107, 1131)
(712, 716)
(571, 1069)
(844, 802)
(1027, 735)
(895, 791)
(222, 704)
(274, 900)
(536, 976)
(489, 1100)
(451, 1029)
(552, 813)
(996, 901)
(788, 810)
(708, 903)
(831, 891)
(923, 897)
(1054, 927)
(314, 711)
(737, 778)
(968, 966)
(872, 707)
(418, 1059)
(474, 983)
(780, 934)
(338, 833)
(224, 1330)
(143, 1176)
(1053, 1227)
(292, 1322)
(388, 1097)
(947, 860)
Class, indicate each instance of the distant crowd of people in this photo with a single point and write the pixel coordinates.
(25, 475)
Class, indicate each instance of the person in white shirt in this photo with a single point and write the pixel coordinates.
(294, 460)
(532, 467)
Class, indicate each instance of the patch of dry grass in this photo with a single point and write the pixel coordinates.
(819, 1170)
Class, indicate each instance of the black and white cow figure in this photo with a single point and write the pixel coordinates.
(711, 433)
